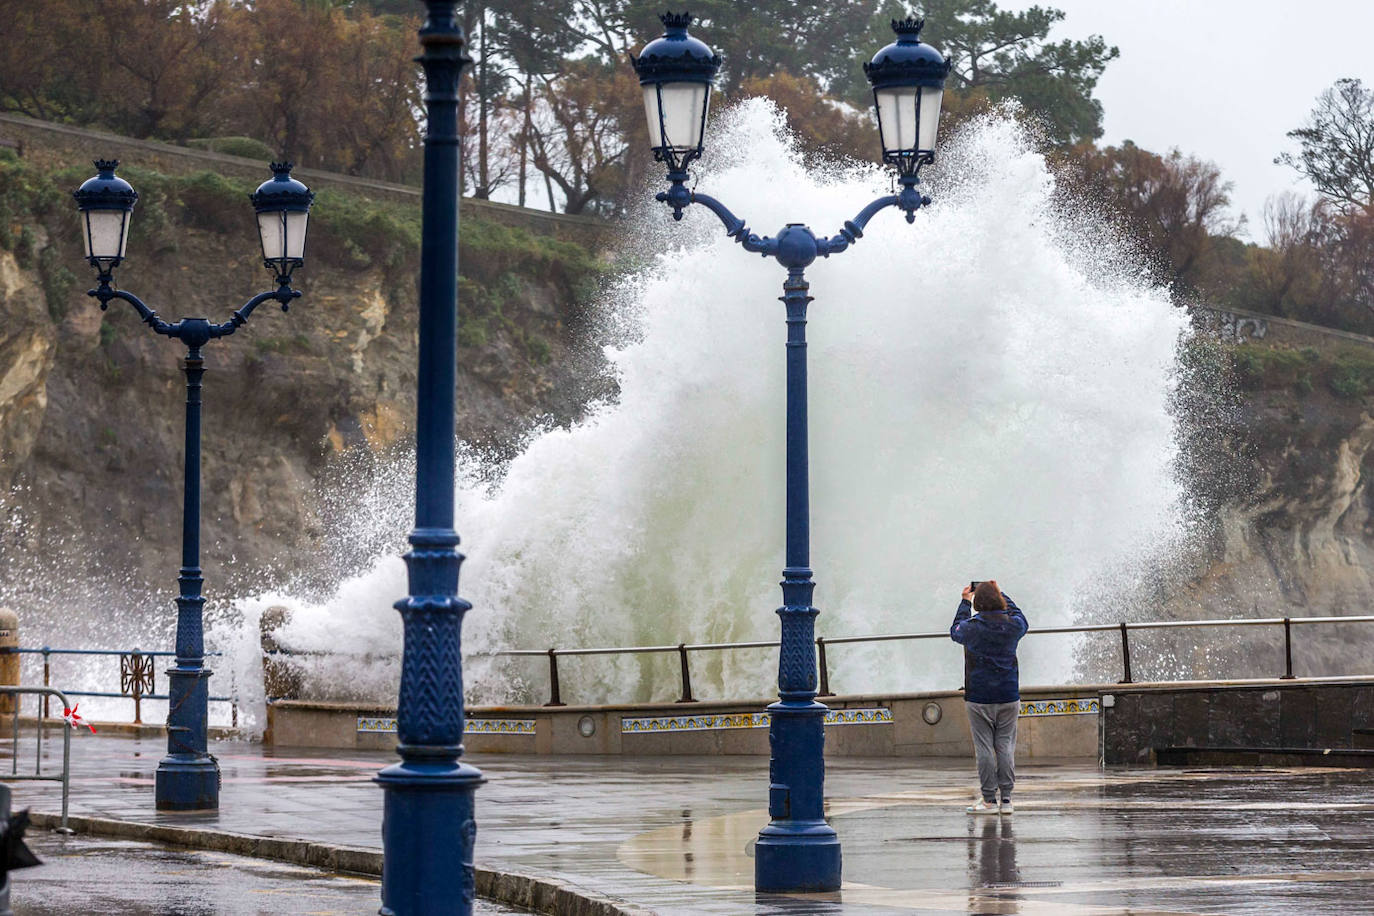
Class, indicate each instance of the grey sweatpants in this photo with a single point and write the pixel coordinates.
(994, 743)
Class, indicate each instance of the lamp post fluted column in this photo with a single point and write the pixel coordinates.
(428, 823)
(797, 840)
(798, 851)
(187, 779)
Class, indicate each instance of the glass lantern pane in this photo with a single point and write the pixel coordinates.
(272, 231)
(931, 96)
(897, 118)
(105, 237)
(651, 115)
(683, 107)
(295, 233)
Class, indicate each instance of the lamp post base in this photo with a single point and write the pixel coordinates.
(797, 858)
(428, 831)
(798, 852)
(186, 783)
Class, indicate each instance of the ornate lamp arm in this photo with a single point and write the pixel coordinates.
(908, 199)
(680, 197)
(283, 294)
(106, 292)
(195, 332)
(735, 227)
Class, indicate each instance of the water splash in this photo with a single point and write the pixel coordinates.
(989, 396)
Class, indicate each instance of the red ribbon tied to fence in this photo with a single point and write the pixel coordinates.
(75, 721)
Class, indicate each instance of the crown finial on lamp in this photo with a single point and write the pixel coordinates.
(676, 20)
(910, 27)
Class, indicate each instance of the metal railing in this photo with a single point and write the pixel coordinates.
(137, 680)
(1124, 628)
(15, 775)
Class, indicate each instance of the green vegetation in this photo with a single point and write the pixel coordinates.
(1346, 373)
(504, 267)
(235, 146)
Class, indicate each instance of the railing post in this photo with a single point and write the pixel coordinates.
(1125, 655)
(1287, 650)
(686, 675)
(823, 668)
(554, 698)
(47, 680)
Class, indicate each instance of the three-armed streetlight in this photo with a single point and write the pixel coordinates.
(798, 850)
(188, 777)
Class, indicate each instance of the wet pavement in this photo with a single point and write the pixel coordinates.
(674, 834)
(90, 875)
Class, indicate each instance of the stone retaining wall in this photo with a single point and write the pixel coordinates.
(1055, 722)
(1237, 326)
(1281, 714)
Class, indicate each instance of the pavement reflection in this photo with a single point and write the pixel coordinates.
(674, 835)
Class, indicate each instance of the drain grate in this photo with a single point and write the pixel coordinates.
(1012, 885)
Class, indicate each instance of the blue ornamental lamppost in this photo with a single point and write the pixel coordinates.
(428, 825)
(188, 777)
(798, 851)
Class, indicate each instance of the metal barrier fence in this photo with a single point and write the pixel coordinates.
(137, 680)
(1125, 628)
(65, 777)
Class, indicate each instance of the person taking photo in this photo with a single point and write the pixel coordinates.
(988, 625)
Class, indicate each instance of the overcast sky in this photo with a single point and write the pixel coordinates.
(1221, 79)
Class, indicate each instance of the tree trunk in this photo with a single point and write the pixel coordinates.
(483, 104)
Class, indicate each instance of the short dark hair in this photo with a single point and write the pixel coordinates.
(987, 597)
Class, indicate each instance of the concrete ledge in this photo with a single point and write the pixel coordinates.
(531, 892)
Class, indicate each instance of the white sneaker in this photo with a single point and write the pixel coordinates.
(983, 807)
(1007, 808)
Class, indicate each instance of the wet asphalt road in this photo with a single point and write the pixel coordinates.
(84, 875)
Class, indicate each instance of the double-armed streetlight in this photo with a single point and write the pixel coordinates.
(798, 850)
(188, 777)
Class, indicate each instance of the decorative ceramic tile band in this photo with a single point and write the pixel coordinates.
(1080, 706)
(387, 725)
(631, 725)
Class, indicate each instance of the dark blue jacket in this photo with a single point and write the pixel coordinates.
(990, 641)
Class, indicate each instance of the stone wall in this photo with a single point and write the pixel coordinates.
(1279, 714)
(1237, 326)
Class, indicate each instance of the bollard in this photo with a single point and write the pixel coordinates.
(281, 680)
(9, 658)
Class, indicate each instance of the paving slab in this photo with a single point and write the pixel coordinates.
(674, 834)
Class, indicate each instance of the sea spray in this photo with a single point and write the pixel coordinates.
(989, 398)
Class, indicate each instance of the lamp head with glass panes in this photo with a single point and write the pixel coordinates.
(283, 206)
(106, 202)
(676, 71)
(908, 79)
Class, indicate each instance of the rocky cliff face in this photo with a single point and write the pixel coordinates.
(92, 403)
(1279, 471)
